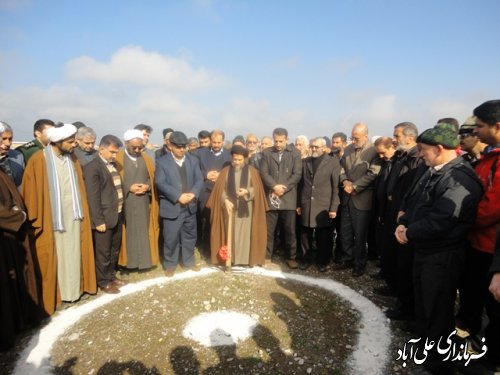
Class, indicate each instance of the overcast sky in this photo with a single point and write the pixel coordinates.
(313, 67)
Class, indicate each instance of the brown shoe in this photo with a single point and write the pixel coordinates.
(169, 272)
(119, 282)
(110, 289)
(292, 264)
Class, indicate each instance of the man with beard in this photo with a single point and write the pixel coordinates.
(386, 151)
(482, 271)
(470, 144)
(40, 142)
(302, 144)
(339, 143)
(238, 195)
(139, 247)
(165, 149)
(105, 197)
(146, 133)
(179, 182)
(318, 203)
(56, 203)
(396, 258)
(281, 171)
(254, 155)
(211, 160)
(11, 161)
(85, 151)
(359, 171)
(204, 139)
(252, 144)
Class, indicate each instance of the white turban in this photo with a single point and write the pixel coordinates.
(131, 134)
(57, 134)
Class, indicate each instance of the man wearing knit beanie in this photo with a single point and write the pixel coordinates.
(439, 210)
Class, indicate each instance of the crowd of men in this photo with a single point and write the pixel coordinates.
(427, 205)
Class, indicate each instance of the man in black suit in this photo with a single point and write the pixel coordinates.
(318, 203)
(281, 170)
(211, 160)
(360, 168)
(105, 200)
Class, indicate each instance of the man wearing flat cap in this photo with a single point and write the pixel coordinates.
(56, 204)
(179, 182)
(439, 210)
(139, 247)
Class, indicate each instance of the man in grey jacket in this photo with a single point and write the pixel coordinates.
(281, 170)
(357, 177)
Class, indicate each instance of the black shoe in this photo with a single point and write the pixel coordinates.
(357, 272)
(377, 276)
(383, 291)
(408, 327)
(124, 271)
(343, 266)
(398, 314)
(304, 265)
(322, 268)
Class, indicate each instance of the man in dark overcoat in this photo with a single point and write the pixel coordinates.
(318, 203)
(281, 170)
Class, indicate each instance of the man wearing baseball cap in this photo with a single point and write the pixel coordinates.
(470, 144)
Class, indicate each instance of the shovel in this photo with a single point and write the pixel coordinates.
(229, 241)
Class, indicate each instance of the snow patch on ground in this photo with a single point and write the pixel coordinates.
(219, 328)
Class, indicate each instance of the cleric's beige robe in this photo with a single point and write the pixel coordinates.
(35, 191)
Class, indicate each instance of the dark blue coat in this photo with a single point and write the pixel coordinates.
(169, 185)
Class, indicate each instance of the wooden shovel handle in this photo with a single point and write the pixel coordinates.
(229, 240)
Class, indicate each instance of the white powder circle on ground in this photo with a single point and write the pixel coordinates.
(369, 356)
(219, 328)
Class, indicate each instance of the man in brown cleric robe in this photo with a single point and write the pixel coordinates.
(63, 236)
(244, 196)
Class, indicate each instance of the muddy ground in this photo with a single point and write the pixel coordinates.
(301, 329)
